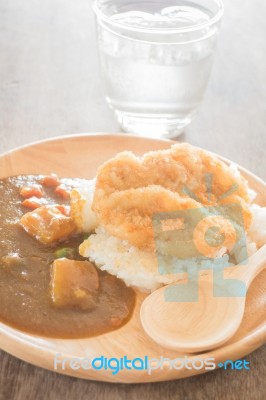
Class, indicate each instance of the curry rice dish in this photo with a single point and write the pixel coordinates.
(73, 252)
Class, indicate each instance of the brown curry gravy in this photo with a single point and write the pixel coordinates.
(25, 298)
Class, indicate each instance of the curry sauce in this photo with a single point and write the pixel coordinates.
(25, 275)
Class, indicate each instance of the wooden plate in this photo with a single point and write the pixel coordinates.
(79, 156)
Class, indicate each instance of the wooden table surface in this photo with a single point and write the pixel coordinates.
(50, 85)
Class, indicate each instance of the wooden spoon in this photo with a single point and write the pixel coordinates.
(203, 324)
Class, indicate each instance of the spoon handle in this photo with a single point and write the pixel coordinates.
(248, 272)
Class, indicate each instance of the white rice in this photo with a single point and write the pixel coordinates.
(257, 230)
(139, 268)
(136, 267)
(81, 211)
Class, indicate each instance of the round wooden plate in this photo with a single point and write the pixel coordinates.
(80, 156)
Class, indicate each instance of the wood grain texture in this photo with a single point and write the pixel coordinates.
(80, 156)
(50, 85)
(207, 323)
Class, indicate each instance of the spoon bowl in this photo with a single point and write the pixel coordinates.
(203, 324)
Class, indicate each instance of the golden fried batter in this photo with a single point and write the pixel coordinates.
(130, 189)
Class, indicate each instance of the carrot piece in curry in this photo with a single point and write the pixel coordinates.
(31, 191)
(50, 180)
(62, 192)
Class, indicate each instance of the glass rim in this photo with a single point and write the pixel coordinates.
(216, 18)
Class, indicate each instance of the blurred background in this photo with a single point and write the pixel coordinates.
(50, 81)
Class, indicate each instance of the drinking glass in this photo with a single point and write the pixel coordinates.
(156, 58)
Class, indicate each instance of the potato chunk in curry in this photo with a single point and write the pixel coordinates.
(47, 224)
(74, 284)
